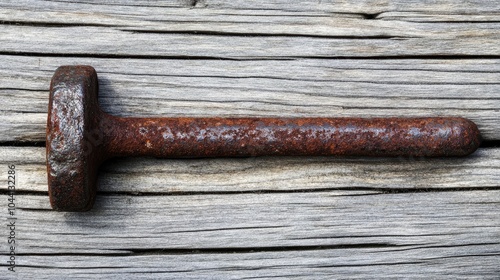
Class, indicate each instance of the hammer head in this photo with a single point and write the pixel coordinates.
(72, 160)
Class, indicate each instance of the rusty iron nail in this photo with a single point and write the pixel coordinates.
(80, 136)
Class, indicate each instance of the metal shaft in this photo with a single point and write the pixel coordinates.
(229, 137)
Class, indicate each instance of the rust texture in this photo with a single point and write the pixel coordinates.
(229, 137)
(71, 163)
(80, 136)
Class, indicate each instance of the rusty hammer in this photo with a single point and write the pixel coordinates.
(80, 136)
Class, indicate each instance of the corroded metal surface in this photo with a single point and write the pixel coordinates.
(229, 137)
(80, 137)
(72, 161)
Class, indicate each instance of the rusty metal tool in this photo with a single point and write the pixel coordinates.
(80, 136)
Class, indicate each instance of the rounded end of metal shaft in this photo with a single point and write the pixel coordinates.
(470, 138)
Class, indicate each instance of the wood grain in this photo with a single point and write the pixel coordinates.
(296, 88)
(285, 217)
(281, 217)
(322, 234)
(151, 176)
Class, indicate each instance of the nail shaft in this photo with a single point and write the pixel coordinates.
(229, 137)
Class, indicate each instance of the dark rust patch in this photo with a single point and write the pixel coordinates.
(80, 136)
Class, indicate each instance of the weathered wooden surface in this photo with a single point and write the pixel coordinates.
(238, 229)
(303, 87)
(259, 217)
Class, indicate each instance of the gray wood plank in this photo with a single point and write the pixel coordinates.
(325, 233)
(167, 177)
(112, 11)
(313, 264)
(297, 88)
(106, 41)
(310, 29)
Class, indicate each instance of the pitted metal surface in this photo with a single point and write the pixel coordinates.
(80, 136)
